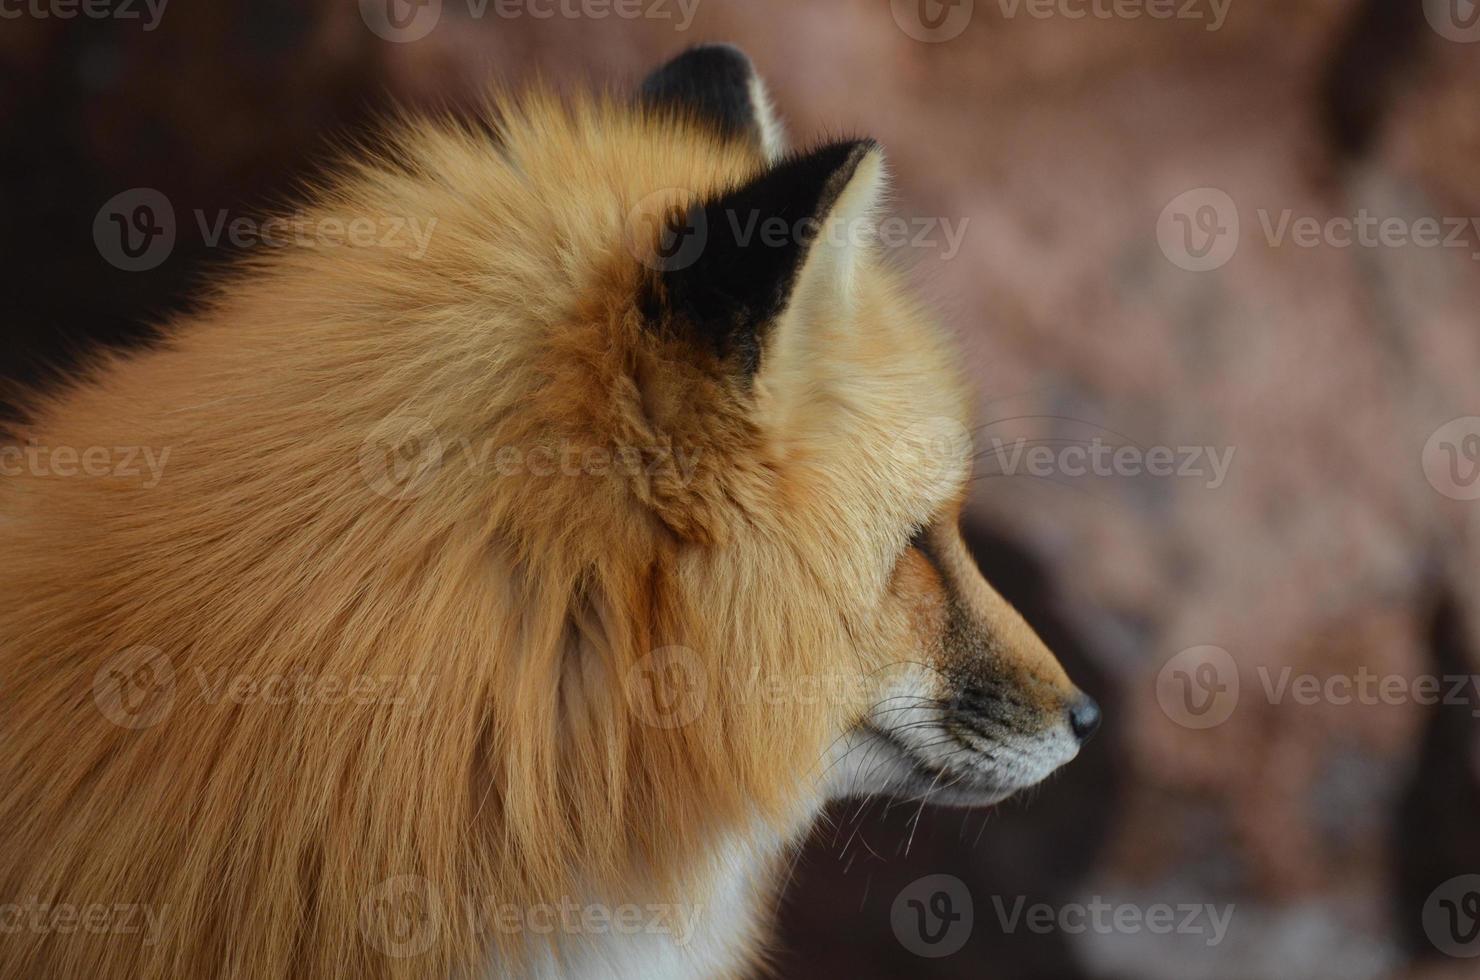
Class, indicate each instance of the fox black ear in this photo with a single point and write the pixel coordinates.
(718, 84)
(729, 269)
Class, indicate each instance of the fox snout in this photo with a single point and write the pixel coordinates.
(982, 708)
(1084, 717)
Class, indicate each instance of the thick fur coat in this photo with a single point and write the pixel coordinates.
(521, 569)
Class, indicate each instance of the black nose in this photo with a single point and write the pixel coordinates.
(1084, 718)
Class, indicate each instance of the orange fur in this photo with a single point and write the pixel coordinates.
(513, 610)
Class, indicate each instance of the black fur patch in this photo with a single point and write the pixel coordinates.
(733, 261)
(712, 82)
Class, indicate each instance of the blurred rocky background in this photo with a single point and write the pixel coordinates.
(1225, 465)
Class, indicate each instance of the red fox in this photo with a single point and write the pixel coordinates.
(511, 605)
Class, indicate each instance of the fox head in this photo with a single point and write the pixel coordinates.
(744, 572)
(730, 556)
(846, 446)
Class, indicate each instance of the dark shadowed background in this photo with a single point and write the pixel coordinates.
(1216, 278)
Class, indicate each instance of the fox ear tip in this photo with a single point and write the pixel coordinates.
(717, 83)
(859, 179)
(872, 154)
(718, 49)
(868, 157)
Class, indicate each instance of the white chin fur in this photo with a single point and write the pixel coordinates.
(905, 749)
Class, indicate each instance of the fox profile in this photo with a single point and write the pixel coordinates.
(570, 565)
